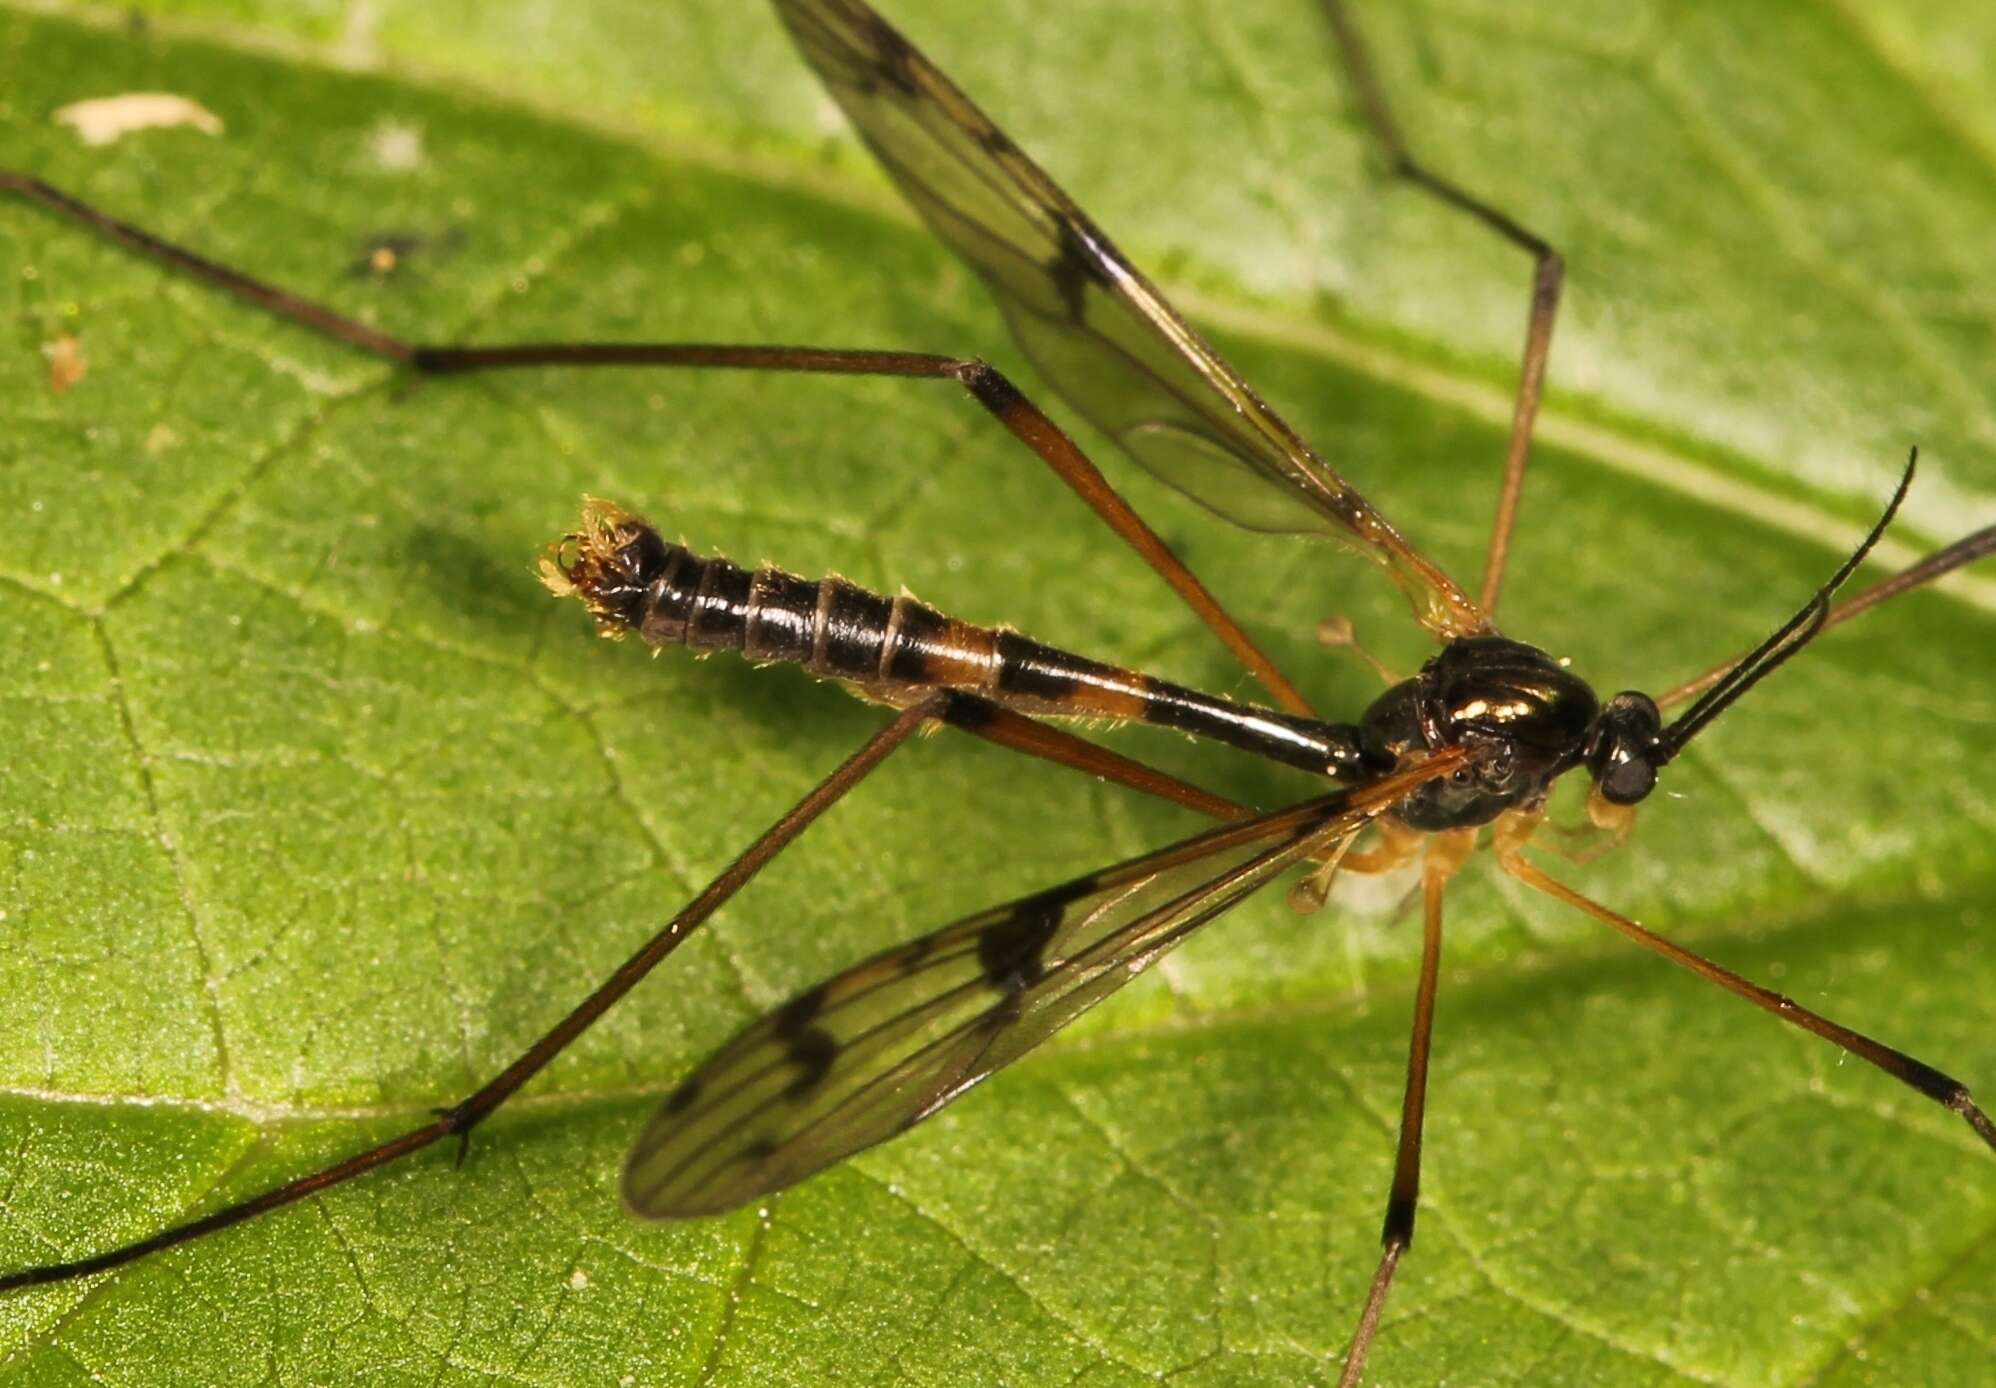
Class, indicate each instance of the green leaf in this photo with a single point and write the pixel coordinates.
(317, 810)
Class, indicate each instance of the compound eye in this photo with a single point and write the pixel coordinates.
(1624, 782)
(1625, 737)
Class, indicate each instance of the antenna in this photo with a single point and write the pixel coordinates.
(1791, 637)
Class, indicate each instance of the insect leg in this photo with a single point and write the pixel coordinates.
(179, 259)
(997, 395)
(1950, 1093)
(460, 1118)
(1004, 401)
(1445, 854)
(982, 718)
(1547, 273)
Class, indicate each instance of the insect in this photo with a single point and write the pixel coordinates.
(1014, 961)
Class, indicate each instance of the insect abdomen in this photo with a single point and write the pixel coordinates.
(633, 581)
(892, 648)
(834, 629)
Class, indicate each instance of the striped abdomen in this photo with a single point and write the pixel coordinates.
(892, 648)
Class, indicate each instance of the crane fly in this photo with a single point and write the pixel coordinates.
(1473, 741)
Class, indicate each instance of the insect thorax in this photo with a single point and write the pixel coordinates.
(1528, 719)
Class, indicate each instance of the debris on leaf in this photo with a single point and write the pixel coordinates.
(67, 364)
(106, 119)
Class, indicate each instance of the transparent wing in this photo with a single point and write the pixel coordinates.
(885, 1044)
(1117, 352)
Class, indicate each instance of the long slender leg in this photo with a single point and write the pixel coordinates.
(1548, 270)
(1023, 419)
(462, 1117)
(967, 712)
(982, 718)
(1445, 855)
(1950, 1093)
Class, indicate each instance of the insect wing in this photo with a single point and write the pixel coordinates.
(883, 1045)
(1117, 352)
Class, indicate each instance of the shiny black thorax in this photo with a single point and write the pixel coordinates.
(1525, 717)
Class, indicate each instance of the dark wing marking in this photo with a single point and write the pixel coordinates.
(885, 1044)
(1117, 352)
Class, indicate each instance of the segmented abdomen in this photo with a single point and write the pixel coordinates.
(831, 627)
(893, 648)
